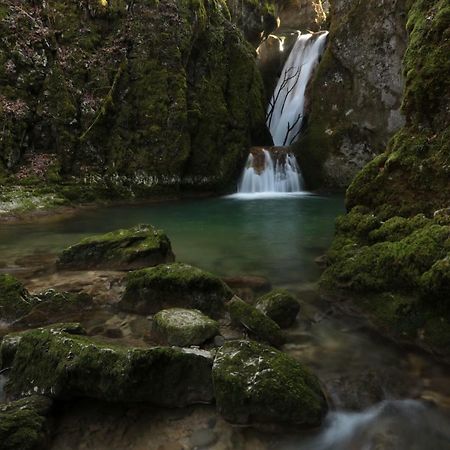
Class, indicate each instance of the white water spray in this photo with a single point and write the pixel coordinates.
(278, 175)
(286, 108)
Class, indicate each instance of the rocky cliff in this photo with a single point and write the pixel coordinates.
(356, 95)
(393, 247)
(144, 95)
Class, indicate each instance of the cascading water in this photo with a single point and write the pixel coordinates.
(284, 120)
(281, 175)
(286, 108)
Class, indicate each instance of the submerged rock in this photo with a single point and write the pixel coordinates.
(126, 249)
(184, 327)
(23, 423)
(174, 285)
(65, 366)
(281, 306)
(248, 287)
(256, 322)
(15, 301)
(255, 384)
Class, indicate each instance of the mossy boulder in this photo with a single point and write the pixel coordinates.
(184, 327)
(15, 300)
(125, 249)
(66, 366)
(54, 307)
(174, 285)
(23, 423)
(281, 306)
(256, 384)
(256, 322)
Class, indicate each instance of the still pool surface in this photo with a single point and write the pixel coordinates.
(278, 237)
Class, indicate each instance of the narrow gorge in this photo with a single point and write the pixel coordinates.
(224, 224)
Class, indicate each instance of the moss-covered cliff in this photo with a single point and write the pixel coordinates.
(393, 247)
(355, 97)
(143, 95)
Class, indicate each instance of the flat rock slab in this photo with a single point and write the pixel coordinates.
(184, 327)
(125, 249)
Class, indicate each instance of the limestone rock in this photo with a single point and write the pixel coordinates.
(174, 285)
(184, 327)
(255, 384)
(256, 322)
(281, 306)
(125, 249)
(65, 366)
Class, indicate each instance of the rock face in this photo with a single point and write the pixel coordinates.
(184, 327)
(256, 322)
(174, 285)
(281, 306)
(128, 249)
(356, 95)
(303, 15)
(254, 383)
(23, 423)
(392, 248)
(65, 366)
(127, 96)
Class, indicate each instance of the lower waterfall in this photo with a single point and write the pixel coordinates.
(275, 175)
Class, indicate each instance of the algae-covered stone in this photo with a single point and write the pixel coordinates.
(23, 423)
(281, 306)
(55, 307)
(254, 383)
(174, 285)
(261, 326)
(66, 366)
(15, 301)
(126, 249)
(184, 327)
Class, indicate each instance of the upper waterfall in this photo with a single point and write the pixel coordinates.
(286, 108)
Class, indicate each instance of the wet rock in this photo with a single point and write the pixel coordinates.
(67, 366)
(15, 301)
(23, 423)
(126, 249)
(255, 384)
(55, 307)
(256, 322)
(184, 327)
(259, 285)
(203, 438)
(304, 15)
(174, 285)
(281, 306)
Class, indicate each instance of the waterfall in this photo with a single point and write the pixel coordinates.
(277, 175)
(286, 107)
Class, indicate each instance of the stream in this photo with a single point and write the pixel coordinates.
(382, 396)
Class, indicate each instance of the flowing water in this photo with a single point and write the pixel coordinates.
(382, 396)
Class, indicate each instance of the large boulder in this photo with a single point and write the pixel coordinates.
(23, 423)
(64, 366)
(15, 301)
(257, 323)
(184, 327)
(281, 306)
(125, 249)
(256, 384)
(174, 285)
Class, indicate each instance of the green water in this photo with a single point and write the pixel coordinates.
(278, 238)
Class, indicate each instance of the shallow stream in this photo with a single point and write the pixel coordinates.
(382, 396)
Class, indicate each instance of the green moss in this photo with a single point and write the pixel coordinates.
(139, 246)
(256, 322)
(23, 423)
(184, 327)
(66, 366)
(256, 383)
(174, 285)
(280, 305)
